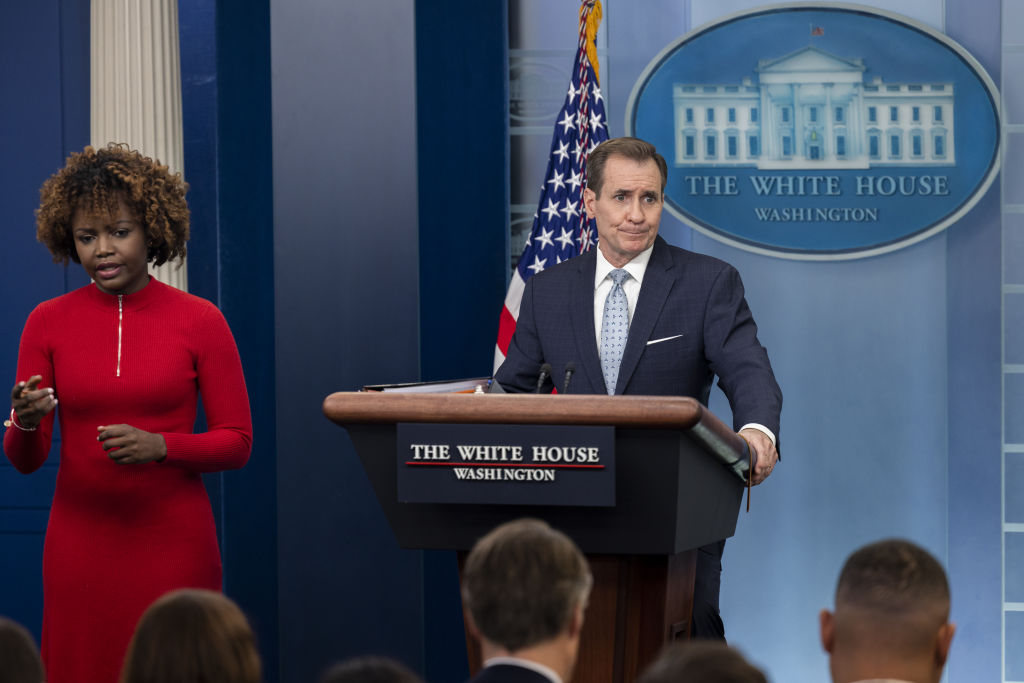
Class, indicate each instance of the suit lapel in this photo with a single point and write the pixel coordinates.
(582, 298)
(653, 293)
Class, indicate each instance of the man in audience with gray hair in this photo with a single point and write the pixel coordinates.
(891, 618)
(524, 590)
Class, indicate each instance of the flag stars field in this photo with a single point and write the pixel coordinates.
(563, 151)
(551, 209)
(565, 239)
(558, 180)
(544, 238)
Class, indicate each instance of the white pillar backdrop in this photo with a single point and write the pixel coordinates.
(135, 87)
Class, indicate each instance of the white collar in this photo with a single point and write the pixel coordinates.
(636, 267)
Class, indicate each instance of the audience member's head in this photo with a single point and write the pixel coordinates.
(524, 588)
(19, 658)
(891, 616)
(192, 636)
(369, 670)
(704, 661)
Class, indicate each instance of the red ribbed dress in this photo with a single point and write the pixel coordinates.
(119, 536)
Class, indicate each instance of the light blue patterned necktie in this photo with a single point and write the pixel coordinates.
(614, 329)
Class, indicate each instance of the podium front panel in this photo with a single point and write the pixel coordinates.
(670, 497)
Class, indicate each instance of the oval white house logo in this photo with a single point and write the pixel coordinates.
(819, 131)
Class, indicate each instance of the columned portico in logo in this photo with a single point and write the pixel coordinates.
(812, 109)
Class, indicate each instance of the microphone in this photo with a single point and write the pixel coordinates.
(570, 368)
(545, 372)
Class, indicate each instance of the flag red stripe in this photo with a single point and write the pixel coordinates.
(506, 327)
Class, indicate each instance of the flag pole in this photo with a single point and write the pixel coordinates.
(561, 229)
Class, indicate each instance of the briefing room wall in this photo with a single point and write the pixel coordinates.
(861, 353)
(890, 367)
(225, 68)
(44, 85)
(975, 370)
(462, 101)
(346, 300)
(889, 364)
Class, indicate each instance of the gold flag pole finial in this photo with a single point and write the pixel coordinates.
(593, 21)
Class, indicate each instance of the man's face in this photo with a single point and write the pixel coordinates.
(629, 209)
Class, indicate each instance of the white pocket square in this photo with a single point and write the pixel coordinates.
(658, 341)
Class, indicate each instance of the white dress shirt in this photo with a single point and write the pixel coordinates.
(636, 269)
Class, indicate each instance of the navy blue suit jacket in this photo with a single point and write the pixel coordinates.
(691, 323)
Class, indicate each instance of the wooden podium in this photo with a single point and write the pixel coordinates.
(678, 486)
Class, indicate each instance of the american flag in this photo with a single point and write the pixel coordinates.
(560, 229)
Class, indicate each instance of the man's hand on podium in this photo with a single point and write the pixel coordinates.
(765, 451)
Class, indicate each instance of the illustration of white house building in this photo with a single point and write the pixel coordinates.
(813, 110)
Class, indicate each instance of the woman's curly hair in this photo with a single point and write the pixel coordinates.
(94, 180)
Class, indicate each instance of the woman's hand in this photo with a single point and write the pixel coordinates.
(30, 403)
(126, 445)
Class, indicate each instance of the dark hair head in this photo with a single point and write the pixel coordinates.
(891, 577)
(631, 148)
(369, 670)
(703, 661)
(892, 595)
(94, 180)
(19, 658)
(522, 582)
(194, 636)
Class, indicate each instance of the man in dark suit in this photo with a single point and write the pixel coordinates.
(637, 316)
(891, 620)
(524, 590)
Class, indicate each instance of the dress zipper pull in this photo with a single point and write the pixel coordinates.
(120, 317)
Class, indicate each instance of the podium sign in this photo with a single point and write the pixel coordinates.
(506, 464)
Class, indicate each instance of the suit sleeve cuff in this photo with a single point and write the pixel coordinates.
(761, 428)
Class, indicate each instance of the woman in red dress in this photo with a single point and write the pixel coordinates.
(128, 358)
